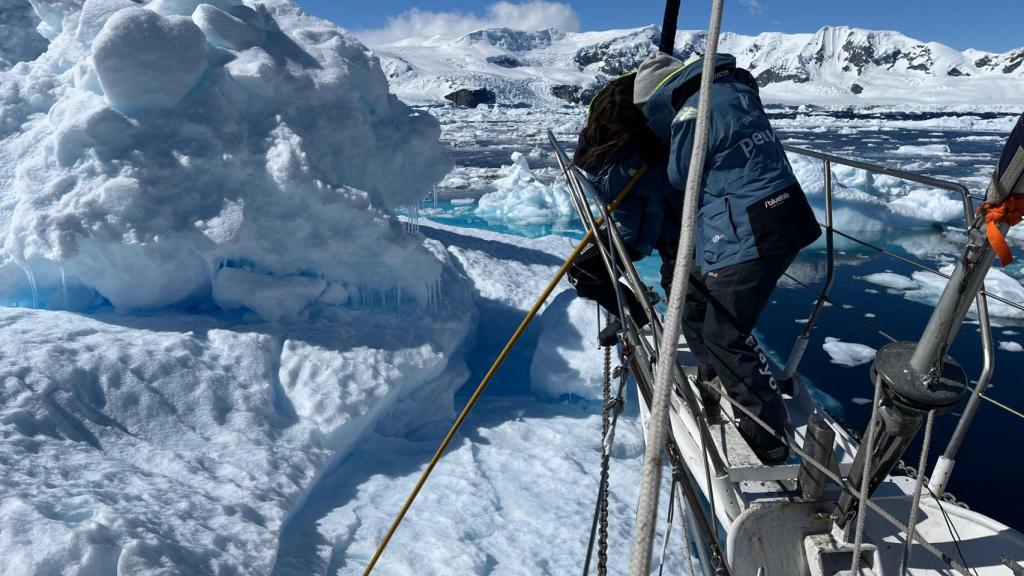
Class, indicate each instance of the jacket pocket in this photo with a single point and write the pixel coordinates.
(783, 221)
(720, 238)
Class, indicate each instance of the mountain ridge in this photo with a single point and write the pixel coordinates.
(835, 65)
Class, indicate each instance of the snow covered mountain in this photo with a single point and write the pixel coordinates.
(835, 65)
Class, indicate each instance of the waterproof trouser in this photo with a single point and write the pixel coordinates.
(722, 309)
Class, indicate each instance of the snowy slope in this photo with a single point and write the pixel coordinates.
(836, 65)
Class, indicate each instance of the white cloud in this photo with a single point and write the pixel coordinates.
(754, 6)
(530, 15)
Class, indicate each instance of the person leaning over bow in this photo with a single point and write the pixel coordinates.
(754, 218)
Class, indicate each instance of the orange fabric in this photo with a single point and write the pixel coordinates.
(1010, 211)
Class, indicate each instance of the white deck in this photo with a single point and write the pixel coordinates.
(770, 527)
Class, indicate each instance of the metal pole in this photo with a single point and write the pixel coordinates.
(943, 469)
(668, 26)
(802, 341)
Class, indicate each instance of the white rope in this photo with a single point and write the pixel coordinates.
(918, 490)
(865, 480)
(658, 427)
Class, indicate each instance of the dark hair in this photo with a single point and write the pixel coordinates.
(616, 127)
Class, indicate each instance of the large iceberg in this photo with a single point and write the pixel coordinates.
(226, 172)
(153, 151)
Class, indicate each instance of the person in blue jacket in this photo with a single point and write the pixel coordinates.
(754, 218)
(612, 148)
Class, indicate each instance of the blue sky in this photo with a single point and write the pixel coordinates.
(993, 25)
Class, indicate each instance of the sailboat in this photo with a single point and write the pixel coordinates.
(848, 504)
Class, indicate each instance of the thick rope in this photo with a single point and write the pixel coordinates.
(918, 490)
(657, 428)
(490, 375)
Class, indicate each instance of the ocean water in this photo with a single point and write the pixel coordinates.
(863, 311)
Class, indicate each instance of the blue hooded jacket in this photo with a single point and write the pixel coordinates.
(751, 204)
(640, 217)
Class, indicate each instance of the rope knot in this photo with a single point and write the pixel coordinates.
(1010, 211)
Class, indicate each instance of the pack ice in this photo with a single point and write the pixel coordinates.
(216, 302)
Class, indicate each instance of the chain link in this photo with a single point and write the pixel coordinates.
(606, 417)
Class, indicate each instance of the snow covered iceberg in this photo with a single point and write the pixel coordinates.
(153, 149)
(189, 160)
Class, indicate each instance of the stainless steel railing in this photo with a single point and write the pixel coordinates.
(988, 349)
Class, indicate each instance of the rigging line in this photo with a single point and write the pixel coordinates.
(487, 379)
(668, 527)
(953, 532)
(840, 308)
(918, 490)
(865, 480)
(687, 548)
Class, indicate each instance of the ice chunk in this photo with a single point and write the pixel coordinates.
(924, 150)
(226, 31)
(930, 287)
(848, 353)
(521, 198)
(146, 61)
(1011, 346)
(95, 14)
(568, 358)
(934, 205)
(890, 280)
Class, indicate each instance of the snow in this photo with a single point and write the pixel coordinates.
(564, 363)
(823, 68)
(522, 198)
(848, 353)
(873, 203)
(1011, 346)
(226, 31)
(145, 61)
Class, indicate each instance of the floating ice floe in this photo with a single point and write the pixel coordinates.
(890, 280)
(872, 204)
(923, 150)
(848, 353)
(1011, 346)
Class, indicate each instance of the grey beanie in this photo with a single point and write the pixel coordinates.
(654, 69)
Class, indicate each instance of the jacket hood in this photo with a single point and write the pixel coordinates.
(659, 109)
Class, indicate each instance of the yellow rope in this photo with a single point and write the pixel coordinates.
(490, 374)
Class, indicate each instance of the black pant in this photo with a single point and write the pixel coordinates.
(722, 309)
(589, 275)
